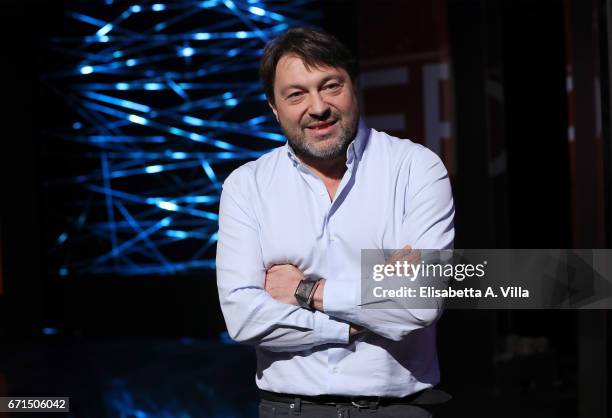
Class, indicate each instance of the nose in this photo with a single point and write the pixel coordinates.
(319, 108)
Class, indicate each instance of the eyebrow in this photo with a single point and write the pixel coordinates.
(338, 77)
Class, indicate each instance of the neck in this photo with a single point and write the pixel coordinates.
(327, 169)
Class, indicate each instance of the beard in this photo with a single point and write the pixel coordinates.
(326, 147)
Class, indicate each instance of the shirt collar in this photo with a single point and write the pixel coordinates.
(355, 148)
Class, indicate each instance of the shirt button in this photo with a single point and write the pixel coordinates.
(334, 369)
(322, 192)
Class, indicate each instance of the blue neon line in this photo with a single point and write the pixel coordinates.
(127, 244)
(209, 172)
(87, 19)
(255, 30)
(233, 127)
(177, 89)
(173, 130)
(119, 102)
(132, 222)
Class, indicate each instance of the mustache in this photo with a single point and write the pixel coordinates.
(330, 118)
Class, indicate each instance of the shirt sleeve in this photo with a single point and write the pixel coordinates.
(252, 316)
(427, 224)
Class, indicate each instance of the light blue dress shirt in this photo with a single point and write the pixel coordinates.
(275, 210)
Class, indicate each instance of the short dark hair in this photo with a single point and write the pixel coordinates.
(315, 47)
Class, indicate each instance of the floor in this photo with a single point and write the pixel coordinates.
(212, 378)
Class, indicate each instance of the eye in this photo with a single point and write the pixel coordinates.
(294, 95)
(332, 86)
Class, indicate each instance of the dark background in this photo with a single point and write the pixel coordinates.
(550, 194)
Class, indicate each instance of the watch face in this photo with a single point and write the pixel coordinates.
(302, 292)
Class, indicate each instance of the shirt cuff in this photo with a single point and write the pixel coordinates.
(341, 297)
(330, 330)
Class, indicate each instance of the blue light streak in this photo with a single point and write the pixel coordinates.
(178, 155)
(202, 36)
(209, 172)
(258, 11)
(105, 29)
(87, 19)
(139, 229)
(152, 169)
(167, 206)
(153, 86)
(49, 331)
(138, 120)
(187, 52)
(193, 121)
(62, 238)
(177, 89)
(118, 102)
(208, 4)
(177, 234)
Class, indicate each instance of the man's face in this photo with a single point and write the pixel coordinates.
(316, 107)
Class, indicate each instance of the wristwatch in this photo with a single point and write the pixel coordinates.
(304, 292)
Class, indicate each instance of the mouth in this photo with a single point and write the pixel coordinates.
(322, 128)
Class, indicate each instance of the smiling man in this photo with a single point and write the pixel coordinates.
(291, 230)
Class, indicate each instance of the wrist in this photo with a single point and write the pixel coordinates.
(355, 329)
(317, 298)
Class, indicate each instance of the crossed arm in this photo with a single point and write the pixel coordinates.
(258, 304)
(281, 282)
(252, 315)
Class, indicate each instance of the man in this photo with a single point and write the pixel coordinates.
(291, 230)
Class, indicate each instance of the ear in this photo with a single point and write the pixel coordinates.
(273, 110)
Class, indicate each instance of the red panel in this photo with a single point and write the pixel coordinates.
(407, 37)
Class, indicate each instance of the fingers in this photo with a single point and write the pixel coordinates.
(403, 252)
(275, 267)
(406, 254)
(414, 256)
(400, 254)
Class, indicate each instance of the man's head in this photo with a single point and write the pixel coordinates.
(309, 80)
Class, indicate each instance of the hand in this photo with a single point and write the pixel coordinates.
(281, 282)
(406, 254)
(355, 329)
